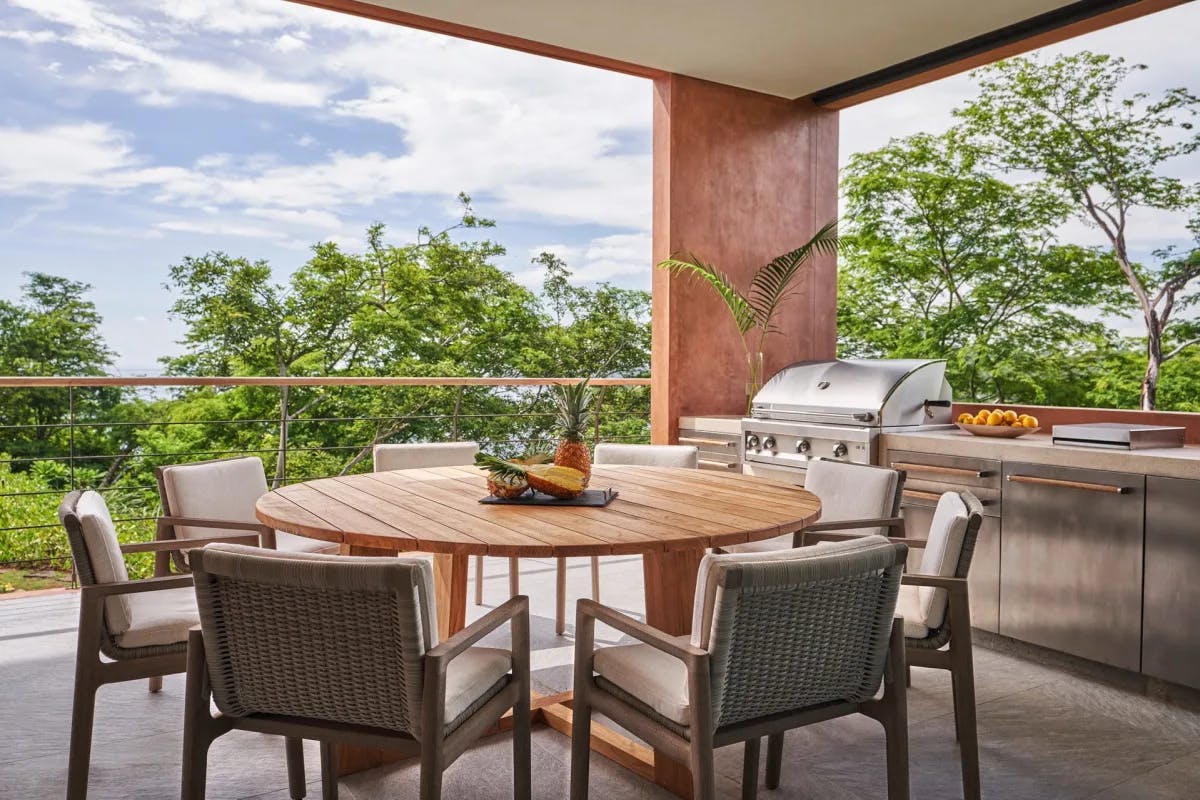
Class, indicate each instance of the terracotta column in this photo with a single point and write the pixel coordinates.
(739, 178)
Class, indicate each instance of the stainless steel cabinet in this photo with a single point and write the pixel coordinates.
(929, 475)
(1171, 617)
(1071, 561)
(718, 451)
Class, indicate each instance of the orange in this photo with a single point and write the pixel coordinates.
(1031, 422)
(1010, 416)
(995, 418)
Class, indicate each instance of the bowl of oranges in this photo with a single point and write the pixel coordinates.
(1003, 423)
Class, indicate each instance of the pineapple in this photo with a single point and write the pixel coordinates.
(561, 482)
(574, 405)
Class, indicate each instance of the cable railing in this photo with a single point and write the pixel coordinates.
(109, 433)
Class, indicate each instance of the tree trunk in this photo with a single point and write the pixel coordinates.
(1153, 362)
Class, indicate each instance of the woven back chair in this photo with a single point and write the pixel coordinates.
(779, 640)
(140, 625)
(345, 650)
(205, 498)
(855, 498)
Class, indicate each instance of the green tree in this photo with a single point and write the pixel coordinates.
(1105, 151)
(943, 259)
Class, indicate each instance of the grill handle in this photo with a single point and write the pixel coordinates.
(710, 442)
(964, 473)
(1091, 487)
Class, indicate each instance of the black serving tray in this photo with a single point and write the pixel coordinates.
(596, 498)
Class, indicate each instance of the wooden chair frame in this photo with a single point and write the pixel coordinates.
(697, 752)
(437, 752)
(93, 640)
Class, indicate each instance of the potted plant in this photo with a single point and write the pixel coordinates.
(754, 311)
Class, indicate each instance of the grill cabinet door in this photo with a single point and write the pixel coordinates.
(1071, 562)
(1171, 632)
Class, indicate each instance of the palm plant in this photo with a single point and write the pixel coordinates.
(754, 311)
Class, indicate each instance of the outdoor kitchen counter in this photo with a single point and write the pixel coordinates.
(1171, 462)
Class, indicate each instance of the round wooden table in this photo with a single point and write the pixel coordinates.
(668, 516)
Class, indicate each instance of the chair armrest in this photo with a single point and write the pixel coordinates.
(953, 585)
(166, 545)
(457, 644)
(640, 631)
(850, 524)
(202, 522)
(136, 587)
(821, 536)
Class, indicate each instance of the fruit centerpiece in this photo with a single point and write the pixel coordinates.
(997, 422)
(574, 404)
(511, 479)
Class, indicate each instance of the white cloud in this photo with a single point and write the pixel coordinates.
(287, 43)
(601, 259)
(85, 154)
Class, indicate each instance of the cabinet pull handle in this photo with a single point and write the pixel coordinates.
(966, 473)
(704, 462)
(918, 495)
(1091, 487)
(710, 442)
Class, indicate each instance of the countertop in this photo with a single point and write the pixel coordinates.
(1036, 448)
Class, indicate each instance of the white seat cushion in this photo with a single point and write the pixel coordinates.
(784, 542)
(291, 543)
(648, 455)
(225, 490)
(942, 551)
(650, 675)
(470, 675)
(852, 491)
(160, 617)
(424, 455)
(908, 605)
(104, 551)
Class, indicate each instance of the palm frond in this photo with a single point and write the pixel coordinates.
(739, 306)
(774, 282)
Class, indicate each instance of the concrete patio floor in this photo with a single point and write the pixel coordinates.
(1045, 731)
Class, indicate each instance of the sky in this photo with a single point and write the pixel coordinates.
(134, 133)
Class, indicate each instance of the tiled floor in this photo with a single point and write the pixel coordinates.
(1044, 732)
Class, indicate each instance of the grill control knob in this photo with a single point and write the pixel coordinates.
(803, 446)
(839, 450)
(769, 443)
(751, 441)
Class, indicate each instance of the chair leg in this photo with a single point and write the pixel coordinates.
(514, 577)
(581, 747)
(522, 748)
(478, 580)
(954, 701)
(432, 764)
(329, 784)
(596, 578)
(895, 718)
(294, 749)
(750, 769)
(560, 596)
(83, 714)
(962, 675)
(704, 776)
(155, 684)
(774, 759)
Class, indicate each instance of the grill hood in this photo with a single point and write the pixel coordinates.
(862, 392)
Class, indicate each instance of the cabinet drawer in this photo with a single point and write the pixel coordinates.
(1071, 561)
(958, 471)
(718, 451)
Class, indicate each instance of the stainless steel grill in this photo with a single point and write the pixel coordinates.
(838, 409)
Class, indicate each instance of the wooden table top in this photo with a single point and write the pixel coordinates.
(437, 511)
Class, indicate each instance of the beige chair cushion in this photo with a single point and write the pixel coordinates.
(647, 455)
(852, 491)
(226, 490)
(846, 491)
(908, 605)
(104, 551)
(652, 676)
(471, 675)
(159, 618)
(424, 455)
(946, 534)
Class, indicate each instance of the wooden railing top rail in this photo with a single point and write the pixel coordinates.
(94, 381)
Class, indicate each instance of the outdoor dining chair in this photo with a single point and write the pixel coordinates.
(779, 640)
(937, 614)
(141, 626)
(364, 668)
(855, 498)
(609, 454)
(206, 496)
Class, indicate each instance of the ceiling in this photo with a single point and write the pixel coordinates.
(789, 48)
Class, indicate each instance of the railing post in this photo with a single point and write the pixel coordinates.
(596, 416)
(71, 435)
(281, 453)
(457, 411)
